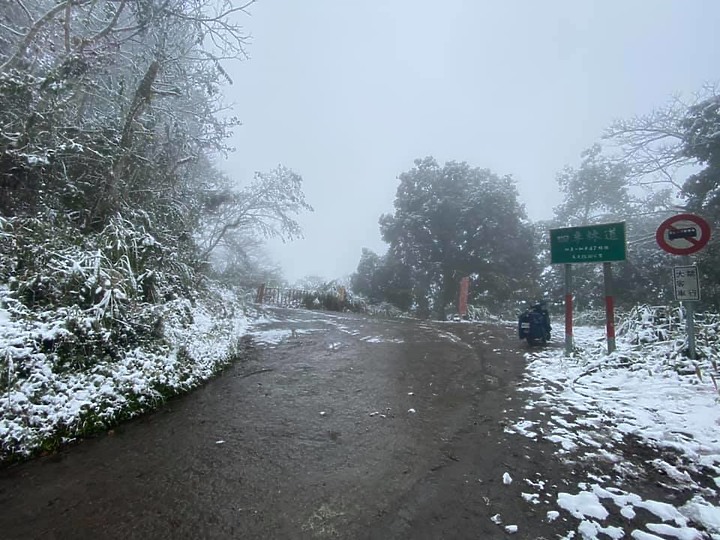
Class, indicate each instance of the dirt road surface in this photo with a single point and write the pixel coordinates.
(347, 427)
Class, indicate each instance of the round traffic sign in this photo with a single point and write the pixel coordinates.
(683, 234)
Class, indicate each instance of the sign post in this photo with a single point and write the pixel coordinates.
(568, 310)
(609, 307)
(683, 235)
(602, 243)
(687, 289)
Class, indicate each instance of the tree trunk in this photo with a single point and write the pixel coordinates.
(447, 294)
(108, 202)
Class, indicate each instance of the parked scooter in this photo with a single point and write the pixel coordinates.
(534, 325)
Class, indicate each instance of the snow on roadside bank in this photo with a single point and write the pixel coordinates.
(592, 403)
(43, 403)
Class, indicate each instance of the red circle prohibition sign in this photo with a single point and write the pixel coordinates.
(683, 234)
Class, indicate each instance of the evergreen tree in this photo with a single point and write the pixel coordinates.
(383, 279)
(364, 280)
(455, 221)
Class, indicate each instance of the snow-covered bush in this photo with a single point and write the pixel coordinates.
(481, 313)
(662, 330)
(104, 286)
(651, 324)
(330, 296)
(47, 400)
(384, 309)
(330, 301)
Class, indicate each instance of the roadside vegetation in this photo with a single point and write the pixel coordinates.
(117, 228)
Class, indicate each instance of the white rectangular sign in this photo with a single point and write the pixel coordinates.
(686, 283)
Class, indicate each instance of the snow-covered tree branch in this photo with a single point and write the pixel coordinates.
(267, 207)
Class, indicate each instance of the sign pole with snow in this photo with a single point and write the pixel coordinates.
(683, 235)
(602, 243)
(568, 310)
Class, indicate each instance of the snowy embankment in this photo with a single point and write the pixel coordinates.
(46, 402)
(597, 408)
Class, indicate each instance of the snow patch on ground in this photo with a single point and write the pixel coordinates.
(380, 339)
(271, 337)
(648, 392)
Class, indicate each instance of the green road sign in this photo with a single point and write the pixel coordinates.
(588, 244)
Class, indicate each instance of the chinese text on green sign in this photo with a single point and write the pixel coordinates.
(588, 244)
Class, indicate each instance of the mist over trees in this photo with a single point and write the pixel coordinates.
(456, 221)
(600, 191)
(449, 222)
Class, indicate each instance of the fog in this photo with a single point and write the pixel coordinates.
(348, 94)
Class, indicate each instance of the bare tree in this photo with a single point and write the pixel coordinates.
(267, 207)
(653, 146)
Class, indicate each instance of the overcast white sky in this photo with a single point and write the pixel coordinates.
(348, 93)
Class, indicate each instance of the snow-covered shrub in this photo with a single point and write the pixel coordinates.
(651, 324)
(662, 329)
(480, 313)
(104, 287)
(385, 309)
(332, 297)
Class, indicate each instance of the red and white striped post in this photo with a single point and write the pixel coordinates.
(609, 307)
(568, 310)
